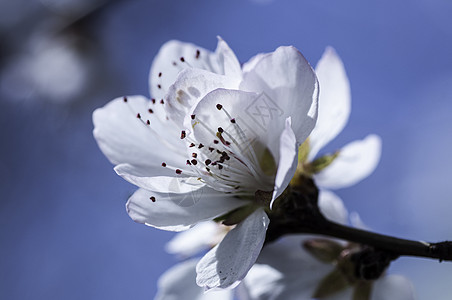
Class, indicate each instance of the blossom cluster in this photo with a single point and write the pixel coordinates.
(215, 148)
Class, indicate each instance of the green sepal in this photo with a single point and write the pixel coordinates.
(237, 215)
(267, 163)
(321, 163)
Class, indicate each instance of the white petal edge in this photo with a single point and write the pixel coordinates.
(227, 263)
(356, 161)
(167, 64)
(160, 184)
(228, 60)
(263, 282)
(189, 88)
(288, 80)
(124, 138)
(334, 101)
(196, 239)
(179, 282)
(393, 287)
(288, 160)
(332, 207)
(166, 212)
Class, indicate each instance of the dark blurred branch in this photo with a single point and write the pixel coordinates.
(300, 214)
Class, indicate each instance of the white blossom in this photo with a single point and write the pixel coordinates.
(215, 138)
(356, 160)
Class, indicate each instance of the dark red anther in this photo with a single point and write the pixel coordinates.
(219, 106)
(153, 101)
(182, 59)
(160, 74)
(183, 135)
(198, 53)
(192, 145)
(208, 161)
(148, 122)
(211, 149)
(124, 99)
(200, 146)
(194, 155)
(178, 171)
(194, 162)
(138, 116)
(150, 111)
(193, 117)
(233, 121)
(220, 130)
(215, 141)
(163, 164)
(188, 162)
(152, 198)
(162, 102)
(159, 86)
(220, 167)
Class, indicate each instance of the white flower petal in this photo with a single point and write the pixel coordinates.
(168, 63)
(161, 184)
(227, 59)
(393, 287)
(356, 221)
(356, 161)
(167, 213)
(288, 160)
(246, 132)
(179, 283)
(250, 64)
(191, 86)
(301, 273)
(291, 88)
(334, 101)
(197, 239)
(332, 207)
(263, 282)
(125, 138)
(229, 262)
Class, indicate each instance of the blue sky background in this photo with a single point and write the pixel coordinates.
(64, 231)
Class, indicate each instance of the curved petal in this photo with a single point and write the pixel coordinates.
(166, 211)
(355, 161)
(191, 86)
(229, 262)
(288, 161)
(196, 239)
(301, 273)
(334, 101)
(393, 287)
(251, 63)
(123, 135)
(175, 56)
(290, 87)
(332, 207)
(179, 283)
(160, 184)
(227, 59)
(263, 282)
(237, 118)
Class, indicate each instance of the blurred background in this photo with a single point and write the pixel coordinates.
(64, 230)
